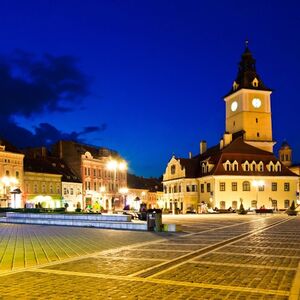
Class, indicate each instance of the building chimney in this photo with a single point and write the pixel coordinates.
(221, 144)
(60, 149)
(190, 155)
(202, 147)
(227, 138)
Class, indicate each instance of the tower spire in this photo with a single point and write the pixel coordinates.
(247, 77)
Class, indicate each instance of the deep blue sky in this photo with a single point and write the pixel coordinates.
(151, 73)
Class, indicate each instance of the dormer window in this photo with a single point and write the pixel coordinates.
(271, 167)
(246, 166)
(205, 167)
(260, 166)
(278, 167)
(253, 166)
(227, 165)
(235, 166)
(255, 82)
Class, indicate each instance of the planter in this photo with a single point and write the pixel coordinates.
(291, 212)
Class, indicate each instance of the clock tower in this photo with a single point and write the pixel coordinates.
(248, 106)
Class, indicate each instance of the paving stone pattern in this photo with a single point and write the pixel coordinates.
(202, 262)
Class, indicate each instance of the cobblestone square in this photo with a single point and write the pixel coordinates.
(214, 257)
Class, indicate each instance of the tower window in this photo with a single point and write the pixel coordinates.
(233, 123)
(257, 134)
(286, 157)
(255, 82)
(256, 120)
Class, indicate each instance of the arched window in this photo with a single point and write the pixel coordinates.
(253, 204)
(246, 186)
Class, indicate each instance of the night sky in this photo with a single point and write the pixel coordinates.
(146, 78)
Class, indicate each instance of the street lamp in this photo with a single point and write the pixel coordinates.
(114, 165)
(258, 184)
(7, 182)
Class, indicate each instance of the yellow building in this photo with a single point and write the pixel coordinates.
(11, 175)
(241, 168)
(42, 184)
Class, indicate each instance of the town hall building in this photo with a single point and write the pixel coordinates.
(242, 167)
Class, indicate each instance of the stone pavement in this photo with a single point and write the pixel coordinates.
(215, 257)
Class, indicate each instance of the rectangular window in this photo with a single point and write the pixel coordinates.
(208, 187)
(222, 186)
(175, 189)
(71, 191)
(94, 172)
(194, 188)
(274, 186)
(95, 186)
(261, 188)
(179, 188)
(286, 203)
(234, 186)
(202, 188)
(188, 189)
(286, 186)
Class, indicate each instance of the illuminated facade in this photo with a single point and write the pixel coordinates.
(11, 175)
(241, 168)
(103, 173)
(42, 189)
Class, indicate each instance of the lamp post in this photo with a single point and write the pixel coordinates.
(258, 184)
(114, 165)
(7, 182)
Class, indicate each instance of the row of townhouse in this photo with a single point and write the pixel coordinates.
(79, 175)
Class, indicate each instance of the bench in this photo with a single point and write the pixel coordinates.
(264, 211)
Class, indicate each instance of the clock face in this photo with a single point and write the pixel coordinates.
(256, 102)
(234, 106)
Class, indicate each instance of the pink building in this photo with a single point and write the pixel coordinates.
(102, 171)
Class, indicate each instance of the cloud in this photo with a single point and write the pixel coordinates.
(44, 134)
(31, 85)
